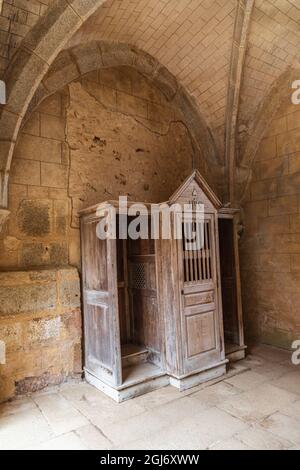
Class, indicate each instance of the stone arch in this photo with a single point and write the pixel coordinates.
(260, 125)
(28, 67)
(42, 46)
(77, 61)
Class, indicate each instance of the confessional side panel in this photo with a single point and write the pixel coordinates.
(101, 327)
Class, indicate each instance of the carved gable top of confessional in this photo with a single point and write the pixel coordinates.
(196, 190)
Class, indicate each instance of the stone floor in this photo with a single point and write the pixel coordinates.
(256, 407)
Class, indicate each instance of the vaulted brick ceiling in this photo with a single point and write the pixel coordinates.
(201, 42)
(273, 45)
(192, 38)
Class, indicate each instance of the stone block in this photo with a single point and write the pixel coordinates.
(264, 189)
(72, 324)
(77, 364)
(53, 127)
(25, 172)
(25, 71)
(43, 329)
(280, 263)
(44, 254)
(294, 163)
(62, 72)
(7, 388)
(35, 254)
(52, 30)
(273, 168)
(276, 224)
(18, 190)
(283, 205)
(84, 8)
(117, 79)
(289, 184)
(32, 125)
(61, 216)
(69, 293)
(166, 82)
(88, 57)
(51, 105)
(277, 126)
(295, 223)
(296, 262)
(143, 88)
(131, 105)
(74, 248)
(267, 149)
(54, 175)
(34, 217)
(288, 143)
(38, 192)
(59, 254)
(103, 94)
(157, 112)
(28, 298)
(293, 120)
(11, 335)
(35, 384)
(39, 148)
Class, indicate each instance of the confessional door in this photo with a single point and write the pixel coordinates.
(200, 304)
(101, 316)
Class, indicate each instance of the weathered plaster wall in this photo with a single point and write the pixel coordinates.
(110, 133)
(270, 247)
(40, 323)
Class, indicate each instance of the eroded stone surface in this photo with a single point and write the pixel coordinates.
(40, 324)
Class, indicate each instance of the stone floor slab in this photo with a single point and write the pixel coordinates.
(61, 416)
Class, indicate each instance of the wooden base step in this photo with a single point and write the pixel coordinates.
(137, 380)
(133, 354)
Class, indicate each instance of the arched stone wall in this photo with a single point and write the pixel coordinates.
(77, 61)
(31, 63)
(28, 67)
(250, 140)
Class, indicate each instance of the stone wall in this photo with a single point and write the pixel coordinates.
(110, 133)
(270, 247)
(40, 324)
(16, 20)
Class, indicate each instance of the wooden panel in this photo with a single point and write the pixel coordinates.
(123, 315)
(200, 333)
(101, 317)
(199, 298)
(97, 297)
(201, 321)
(97, 333)
(197, 262)
(146, 319)
(94, 258)
(143, 294)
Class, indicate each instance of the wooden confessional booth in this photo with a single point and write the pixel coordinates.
(153, 308)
